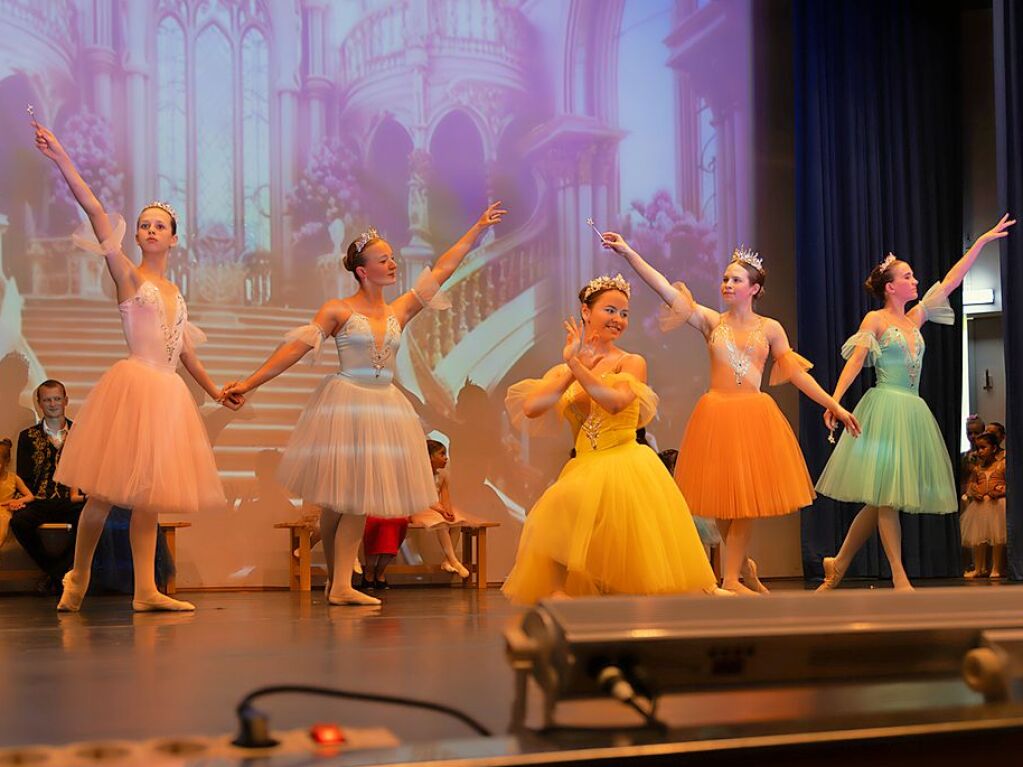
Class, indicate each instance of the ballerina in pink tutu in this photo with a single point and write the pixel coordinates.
(357, 449)
(138, 442)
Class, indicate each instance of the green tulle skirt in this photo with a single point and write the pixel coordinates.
(900, 459)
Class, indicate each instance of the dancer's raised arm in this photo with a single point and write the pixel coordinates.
(955, 276)
(121, 267)
(410, 303)
(700, 317)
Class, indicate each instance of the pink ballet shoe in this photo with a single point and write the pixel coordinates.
(714, 591)
(71, 598)
(456, 568)
(161, 603)
(352, 597)
(739, 590)
(749, 577)
(832, 577)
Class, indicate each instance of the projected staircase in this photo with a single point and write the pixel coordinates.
(500, 305)
(77, 340)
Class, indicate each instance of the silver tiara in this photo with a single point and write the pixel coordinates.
(745, 255)
(164, 206)
(888, 261)
(365, 238)
(607, 282)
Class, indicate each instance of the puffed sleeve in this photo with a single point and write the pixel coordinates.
(644, 394)
(680, 311)
(85, 238)
(193, 337)
(311, 334)
(936, 306)
(548, 424)
(787, 365)
(427, 291)
(866, 340)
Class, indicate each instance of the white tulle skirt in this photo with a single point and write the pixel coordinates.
(139, 442)
(359, 449)
(983, 522)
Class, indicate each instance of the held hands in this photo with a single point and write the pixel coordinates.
(833, 417)
(491, 216)
(576, 348)
(17, 504)
(47, 143)
(233, 395)
(999, 230)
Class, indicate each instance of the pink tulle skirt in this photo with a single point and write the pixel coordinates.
(359, 449)
(139, 442)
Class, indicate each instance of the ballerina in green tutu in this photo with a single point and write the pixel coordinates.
(899, 463)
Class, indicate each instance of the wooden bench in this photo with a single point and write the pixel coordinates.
(474, 556)
(169, 530)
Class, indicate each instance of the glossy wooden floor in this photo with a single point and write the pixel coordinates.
(107, 673)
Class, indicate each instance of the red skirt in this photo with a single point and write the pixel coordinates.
(383, 536)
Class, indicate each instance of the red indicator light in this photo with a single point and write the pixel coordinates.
(326, 734)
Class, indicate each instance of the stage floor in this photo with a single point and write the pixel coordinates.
(107, 673)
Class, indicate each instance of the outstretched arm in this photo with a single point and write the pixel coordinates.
(852, 367)
(805, 382)
(408, 305)
(331, 316)
(121, 268)
(703, 319)
(958, 272)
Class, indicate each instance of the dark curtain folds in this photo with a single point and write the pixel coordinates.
(1008, 45)
(878, 169)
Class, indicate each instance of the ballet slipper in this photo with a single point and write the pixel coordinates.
(995, 574)
(832, 575)
(715, 591)
(749, 577)
(352, 597)
(738, 589)
(71, 598)
(971, 574)
(161, 603)
(907, 586)
(455, 568)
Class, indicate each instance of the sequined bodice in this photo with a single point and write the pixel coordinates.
(898, 364)
(737, 360)
(595, 428)
(153, 336)
(361, 359)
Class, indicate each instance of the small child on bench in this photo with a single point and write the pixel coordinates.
(443, 516)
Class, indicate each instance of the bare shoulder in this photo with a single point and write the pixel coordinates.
(872, 321)
(333, 314)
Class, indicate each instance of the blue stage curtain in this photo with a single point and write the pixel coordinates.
(878, 169)
(1008, 32)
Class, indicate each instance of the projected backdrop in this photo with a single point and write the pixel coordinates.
(279, 130)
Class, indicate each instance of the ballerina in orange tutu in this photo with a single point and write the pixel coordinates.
(736, 475)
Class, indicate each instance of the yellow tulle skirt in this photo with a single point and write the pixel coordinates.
(613, 523)
(740, 459)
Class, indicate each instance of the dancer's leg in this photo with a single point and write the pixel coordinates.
(328, 529)
(90, 528)
(979, 562)
(997, 560)
(346, 546)
(890, 528)
(736, 543)
(451, 564)
(142, 532)
(860, 530)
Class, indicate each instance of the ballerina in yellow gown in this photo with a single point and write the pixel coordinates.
(614, 522)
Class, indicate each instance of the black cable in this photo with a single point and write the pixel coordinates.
(246, 713)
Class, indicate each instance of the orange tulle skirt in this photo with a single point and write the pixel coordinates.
(740, 460)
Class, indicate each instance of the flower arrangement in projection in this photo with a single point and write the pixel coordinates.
(88, 138)
(328, 190)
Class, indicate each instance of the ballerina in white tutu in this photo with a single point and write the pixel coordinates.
(138, 442)
(357, 449)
